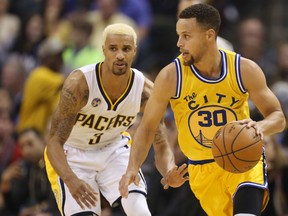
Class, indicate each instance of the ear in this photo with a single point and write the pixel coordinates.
(211, 34)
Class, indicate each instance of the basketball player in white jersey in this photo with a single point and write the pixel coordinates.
(87, 152)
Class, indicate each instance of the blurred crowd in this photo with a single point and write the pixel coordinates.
(42, 41)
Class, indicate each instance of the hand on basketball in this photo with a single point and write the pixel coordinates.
(175, 177)
(128, 178)
(82, 192)
(250, 123)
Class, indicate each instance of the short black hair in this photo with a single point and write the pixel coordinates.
(205, 14)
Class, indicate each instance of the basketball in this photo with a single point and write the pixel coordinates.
(236, 148)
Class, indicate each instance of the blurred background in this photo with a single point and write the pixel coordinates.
(42, 41)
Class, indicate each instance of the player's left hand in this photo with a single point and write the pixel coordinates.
(250, 123)
(175, 177)
(128, 178)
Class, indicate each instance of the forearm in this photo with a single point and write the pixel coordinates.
(164, 156)
(57, 158)
(141, 145)
(273, 123)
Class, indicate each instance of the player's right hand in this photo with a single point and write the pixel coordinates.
(128, 178)
(176, 177)
(82, 192)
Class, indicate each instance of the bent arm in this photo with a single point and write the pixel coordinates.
(74, 96)
(263, 98)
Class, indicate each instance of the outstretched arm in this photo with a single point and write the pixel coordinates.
(74, 96)
(148, 130)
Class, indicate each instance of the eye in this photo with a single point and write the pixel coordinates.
(113, 48)
(186, 36)
(127, 49)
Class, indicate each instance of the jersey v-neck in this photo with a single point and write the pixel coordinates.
(110, 104)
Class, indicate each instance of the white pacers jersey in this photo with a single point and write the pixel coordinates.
(101, 122)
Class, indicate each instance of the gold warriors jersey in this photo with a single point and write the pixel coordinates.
(100, 121)
(202, 105)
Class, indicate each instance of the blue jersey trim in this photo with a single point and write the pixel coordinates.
(179, 78)
(223, 74)
(200, 162)
(238, 74)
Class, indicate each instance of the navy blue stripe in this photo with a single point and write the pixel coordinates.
(87, 213)
(63, 195)
(224, 71)
(101, 87)
(238, 74)
(200, 162)
(178, 78)
(127, 92)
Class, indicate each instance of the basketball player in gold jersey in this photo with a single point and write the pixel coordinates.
(208, 88)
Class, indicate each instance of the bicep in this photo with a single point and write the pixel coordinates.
(263, 98)
(71, 101)
(162, 91)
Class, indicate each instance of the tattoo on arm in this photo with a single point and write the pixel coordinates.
(65, 115)
(160, 135)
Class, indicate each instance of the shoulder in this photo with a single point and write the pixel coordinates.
(76, 81)
(167, 74)
(251, 71)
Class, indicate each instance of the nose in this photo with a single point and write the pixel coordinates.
(179, 42)
(120, 55)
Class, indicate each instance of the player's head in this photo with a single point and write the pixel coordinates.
(207, 16)
(119, 47)
(186, 3)
(197, 27)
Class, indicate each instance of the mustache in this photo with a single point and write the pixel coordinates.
(120, 62)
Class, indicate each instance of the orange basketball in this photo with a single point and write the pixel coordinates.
(236, 148)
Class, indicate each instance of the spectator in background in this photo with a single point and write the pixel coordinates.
(8, 148)
(277, 167)
(139, 11)
(252, 45)
(57, 21)
(282, 62)
(79, 52)
(42, 88)
(25, 9)
(10, 27)
(280, 89)
(9, 152)
(25, 184)
(12, 78)
(27, 44)
(106, 14)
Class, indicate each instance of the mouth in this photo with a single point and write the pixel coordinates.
(120, 64)
(185, 54)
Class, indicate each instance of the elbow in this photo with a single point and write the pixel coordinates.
(283, 124)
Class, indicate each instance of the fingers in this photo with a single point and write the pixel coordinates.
(183, 169)
(165, 184)
(250, 123)
(85, 196)
(123, 185)
(125, 181)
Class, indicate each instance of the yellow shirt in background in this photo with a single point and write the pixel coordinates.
(40, 97)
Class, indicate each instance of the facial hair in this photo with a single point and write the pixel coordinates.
(189, 62)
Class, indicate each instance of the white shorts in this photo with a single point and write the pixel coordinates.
(101, 168)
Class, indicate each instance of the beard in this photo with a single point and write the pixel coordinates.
(189, 62)
(119, 71)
